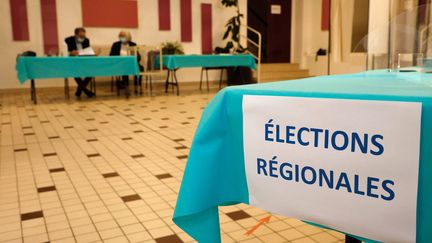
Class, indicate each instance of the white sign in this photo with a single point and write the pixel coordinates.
(351, 165)
(275, 9)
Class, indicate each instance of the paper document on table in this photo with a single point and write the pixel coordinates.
(87, 52)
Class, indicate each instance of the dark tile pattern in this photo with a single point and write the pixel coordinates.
(164, 176)
(31, 215)
(53, 137)
(169, 239)
(93, 155)
(109, 175)
(181, 147)
(131, 198)
(92, 140)
(46, 189)
(20, 150)
(237, 215)
(127, 138)
(56, 170)
(182, 157)
(178, 140)
(138, 131)
(137, 156)
(49, 154)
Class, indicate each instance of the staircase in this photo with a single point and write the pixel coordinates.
(271, 72)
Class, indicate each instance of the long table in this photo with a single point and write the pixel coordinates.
(175, 62)
(216, 175)
(31, 68)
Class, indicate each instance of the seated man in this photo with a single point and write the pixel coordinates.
(121, 48)
(76, 43)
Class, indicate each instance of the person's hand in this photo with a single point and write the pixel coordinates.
(74, 53)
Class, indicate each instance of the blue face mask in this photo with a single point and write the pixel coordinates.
(123, 39)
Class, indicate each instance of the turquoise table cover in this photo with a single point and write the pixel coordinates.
(222, 60)
(77, 66)
(215, 172)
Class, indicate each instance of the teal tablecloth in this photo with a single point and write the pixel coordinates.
(81, 66)
(215, 172)
(186, 61)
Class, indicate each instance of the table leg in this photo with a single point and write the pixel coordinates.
(176, 83)
(66, 88)
(167, 81)
(94, 86)
(33, 91)
(208, 89)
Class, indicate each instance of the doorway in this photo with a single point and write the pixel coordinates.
(272, 18)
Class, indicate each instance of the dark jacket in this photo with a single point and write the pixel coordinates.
(116, 47)
(72, 46)
(115, 51)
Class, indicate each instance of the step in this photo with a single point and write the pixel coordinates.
(278, 75)
(267, 80)
(272, 67)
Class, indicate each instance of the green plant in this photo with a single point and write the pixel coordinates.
(232, 31)
(172, 48)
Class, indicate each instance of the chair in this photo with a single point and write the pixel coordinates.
(152, 62)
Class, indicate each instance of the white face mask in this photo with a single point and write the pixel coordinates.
(80, 40)
(122, 39)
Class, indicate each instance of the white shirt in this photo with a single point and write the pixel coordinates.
(124, 50)
(79, 45)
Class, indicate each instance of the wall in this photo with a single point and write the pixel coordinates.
(308, 38)
(69, 16)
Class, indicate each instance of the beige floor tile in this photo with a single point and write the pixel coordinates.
(107, 170)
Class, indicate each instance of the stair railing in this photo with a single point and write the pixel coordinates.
(257, 56)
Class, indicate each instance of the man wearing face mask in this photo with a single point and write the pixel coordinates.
(121, 48)
(76, 43)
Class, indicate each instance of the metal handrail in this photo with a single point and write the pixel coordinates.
(258, 55)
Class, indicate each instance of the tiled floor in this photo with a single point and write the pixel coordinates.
(109, 169)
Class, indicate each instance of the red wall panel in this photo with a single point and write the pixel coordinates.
(186, 20)
(325, 15)
(49, 26)
(20, 30)
(206, 28)
(164, 15)
(110, 13)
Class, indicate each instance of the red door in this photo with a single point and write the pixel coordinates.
(272, 18)
(279, 31)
